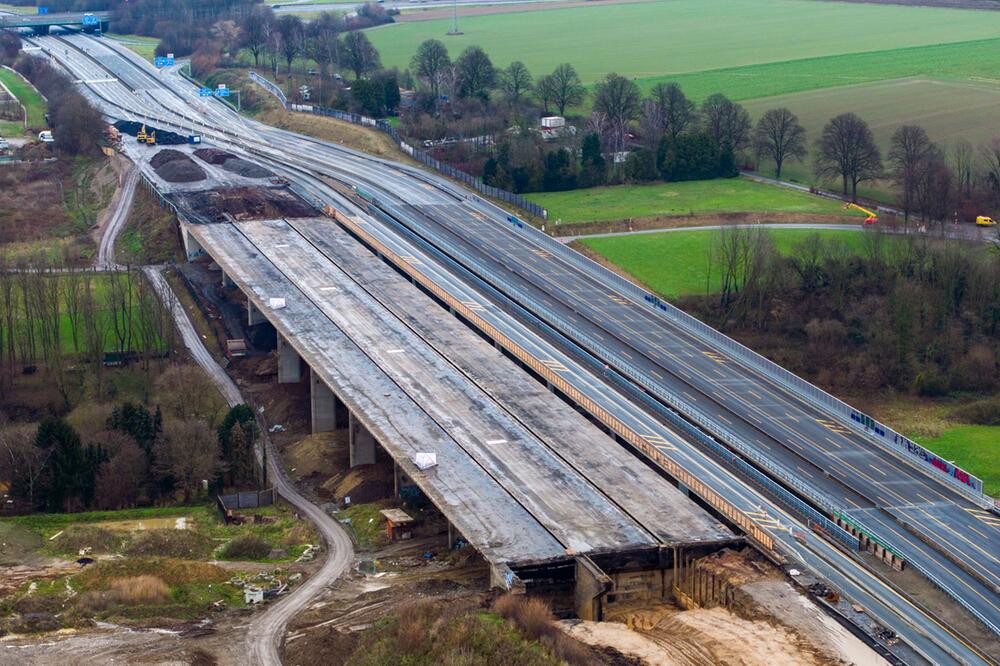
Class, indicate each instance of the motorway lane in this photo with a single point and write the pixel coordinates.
(400, 172)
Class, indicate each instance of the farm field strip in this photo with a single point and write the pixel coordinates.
(676, 263)
(659, 39)
(733, 195)
(27, 95)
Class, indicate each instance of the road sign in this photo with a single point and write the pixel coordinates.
(222, 92)
(43, 10)
(204, 92)
(89, 19)
(163, 61)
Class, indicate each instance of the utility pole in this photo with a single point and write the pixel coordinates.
(454, 19)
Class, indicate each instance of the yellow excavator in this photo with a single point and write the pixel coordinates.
(872, 217)
(141, 136)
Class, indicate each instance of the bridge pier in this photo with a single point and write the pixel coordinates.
(192, 248)
(361, 443)
(289, 363)
(227, 281)
(254, 316)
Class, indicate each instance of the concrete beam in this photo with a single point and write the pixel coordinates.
(361, 443)
(289, 363)
(323, 404)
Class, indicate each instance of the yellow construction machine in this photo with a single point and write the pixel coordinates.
(872, 217)
(983, 221)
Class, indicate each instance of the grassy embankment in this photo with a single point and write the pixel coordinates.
(144, 46)
(29, 98)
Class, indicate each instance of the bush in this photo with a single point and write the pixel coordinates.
(980, 412)
(531, 616)
(183, 544)
(133, 591)
(248, 547)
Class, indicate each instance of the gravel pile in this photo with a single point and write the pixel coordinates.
(163, 137)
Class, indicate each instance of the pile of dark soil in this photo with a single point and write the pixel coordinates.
(163, 137)
(232, 163)
(175, 167)
(241, 203)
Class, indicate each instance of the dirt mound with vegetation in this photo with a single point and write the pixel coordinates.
(89, 539)
(174, 166)
(183, 544)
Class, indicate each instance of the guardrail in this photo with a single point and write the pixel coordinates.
(270, 87)
(887, 438)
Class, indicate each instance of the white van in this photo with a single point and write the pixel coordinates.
(45, 136)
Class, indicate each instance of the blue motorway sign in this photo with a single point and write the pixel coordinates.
(222, 92)
(204, 92)
(162, 61)
(43, 10)
(89, 19)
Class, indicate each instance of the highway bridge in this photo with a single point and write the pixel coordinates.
(805, 478)
(42, 23)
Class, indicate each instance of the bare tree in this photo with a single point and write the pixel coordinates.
(726, 122)
(476, 74)
(256, 28)
(121, 480)
(188, 452)
(293, 38)
(226, 35)
(989, 158)
(666, 112)
(515, 81)
(780, 137)
(934, 187)
(94, 332)
(846, 149)
(186, 392)
(72, 296)
(909, 149)
(119, 297)
(618, 98)
(562, 88)
(21, 462)
(323, 44)
(430, 63)
(963, 166)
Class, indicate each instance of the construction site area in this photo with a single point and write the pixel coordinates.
(458, 474)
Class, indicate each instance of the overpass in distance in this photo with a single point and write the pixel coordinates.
(42, 23)
(650, 378)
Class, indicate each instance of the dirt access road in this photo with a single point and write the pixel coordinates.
(266, 630)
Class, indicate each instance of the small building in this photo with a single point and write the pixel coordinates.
(236, 347)
(398, 524)
(552, 122)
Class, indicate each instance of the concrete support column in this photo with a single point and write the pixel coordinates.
(361, 443)
(592, 585)
(254, 316)
(289, 363)
(227, 281)
(323, 404)
(451, 536)
(192, 248)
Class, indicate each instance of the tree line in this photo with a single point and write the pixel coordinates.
(139, 458)
(908, 313)
(56, 320)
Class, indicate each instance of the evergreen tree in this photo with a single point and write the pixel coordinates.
(67, 482)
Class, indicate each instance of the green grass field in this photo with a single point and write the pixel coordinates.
(675, 263)
(666, 39)
(144, 46)
(27, 95)
(975, 448)
(733, 195)
(947, 109)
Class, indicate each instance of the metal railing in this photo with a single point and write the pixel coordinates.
(884, 436)
(270, 87)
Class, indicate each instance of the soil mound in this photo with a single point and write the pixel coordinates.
(176, 167)
(232, 163)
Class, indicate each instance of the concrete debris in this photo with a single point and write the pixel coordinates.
(425, 460)
(276, 303)
(309, 554)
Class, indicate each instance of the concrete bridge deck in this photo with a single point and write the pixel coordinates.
(521, 475)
